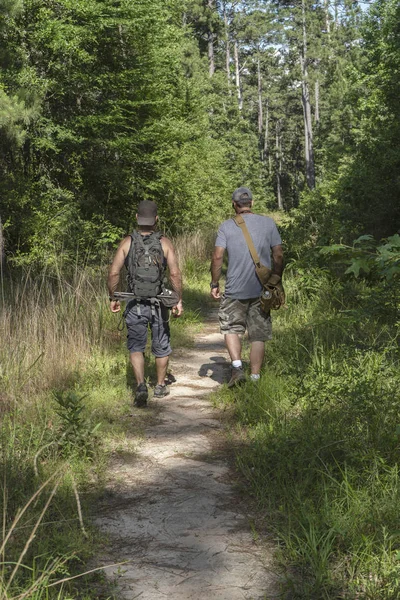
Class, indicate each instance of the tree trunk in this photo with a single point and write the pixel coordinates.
(266, 152)
(237, 75)
(227, 49)
(121, 40)
(305, 96)
(260, 105)
(278, 165)
(210, 37)
(316, 116)
(211, 62)
(327, 18)
(1, 260)
(1, 243)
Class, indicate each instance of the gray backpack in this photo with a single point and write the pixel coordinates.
(146, 265)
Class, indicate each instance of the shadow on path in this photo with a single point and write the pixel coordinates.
(173, 513)
(218, 368)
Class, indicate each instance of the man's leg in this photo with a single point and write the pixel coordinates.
(161, 348)
(232, 320)
(234, 346)
(137, 362)
(161, 366)
(137, 323)
(260, 330)
(257, 352)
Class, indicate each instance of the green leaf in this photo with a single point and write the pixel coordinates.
(334, 249)
(364, 238)
(394, 240)
(357, 265)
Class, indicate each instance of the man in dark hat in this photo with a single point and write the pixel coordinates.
(145, 278)
(240, 305)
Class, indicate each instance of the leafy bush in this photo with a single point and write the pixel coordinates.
(77, 435)
(321, 433)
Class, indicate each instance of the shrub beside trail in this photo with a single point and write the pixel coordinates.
(66, 404)
(321, 438)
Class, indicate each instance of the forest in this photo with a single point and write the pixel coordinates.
(104, 103)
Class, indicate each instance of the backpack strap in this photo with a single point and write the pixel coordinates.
(241, 223)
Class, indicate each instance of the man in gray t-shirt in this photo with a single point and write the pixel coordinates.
(240, 304)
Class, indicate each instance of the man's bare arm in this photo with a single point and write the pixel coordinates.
(277, 257)
(117, 264)
(216, 269)
(216, 263)
(173, 266)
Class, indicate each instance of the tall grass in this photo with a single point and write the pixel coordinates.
(64, 377)
(51, 328)
(321, 439)
(47, 324)
(194, 251)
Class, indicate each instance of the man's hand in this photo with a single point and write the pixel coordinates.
(215, 293)
(115, 306)
(178, 309)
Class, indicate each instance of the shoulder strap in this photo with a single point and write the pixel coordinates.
(241, 223)
(139, 239)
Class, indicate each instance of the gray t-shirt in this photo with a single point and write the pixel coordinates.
(241, 279)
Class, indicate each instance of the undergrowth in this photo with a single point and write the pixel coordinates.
(321, 438)
(66, 406)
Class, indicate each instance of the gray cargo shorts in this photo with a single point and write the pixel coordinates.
(235, 316)
(138, 324)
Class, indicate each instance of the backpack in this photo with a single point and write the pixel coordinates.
(145, 264)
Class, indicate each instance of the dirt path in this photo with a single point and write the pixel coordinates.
(173, 512)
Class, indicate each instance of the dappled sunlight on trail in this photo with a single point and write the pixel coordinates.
(173, 514)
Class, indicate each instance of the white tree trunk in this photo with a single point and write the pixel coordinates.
(278, 165)
(260, 104)
(227, 49)
(211, 61)
(316, 116)
(266, 152)
(327, 17)
(121, 40)
(210, 36)
(305, 96)
(237, 75)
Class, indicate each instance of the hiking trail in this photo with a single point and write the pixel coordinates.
(172, 510)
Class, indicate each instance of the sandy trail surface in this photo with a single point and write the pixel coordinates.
(173, 511)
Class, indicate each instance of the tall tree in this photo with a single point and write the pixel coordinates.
(305, 97)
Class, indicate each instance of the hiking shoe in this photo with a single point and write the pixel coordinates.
(238, 377)
(160, 391)
(169, 379)
(141, 395)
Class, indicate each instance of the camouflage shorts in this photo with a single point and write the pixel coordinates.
(235, 316)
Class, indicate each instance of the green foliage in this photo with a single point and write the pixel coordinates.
(103, 106)
(366, 256)
(53, 394)
(58, 239)
(123, 117)
(63, 371)
(320, 435)
(77, 433)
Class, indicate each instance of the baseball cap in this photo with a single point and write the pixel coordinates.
(242, 193)
(146, 212)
